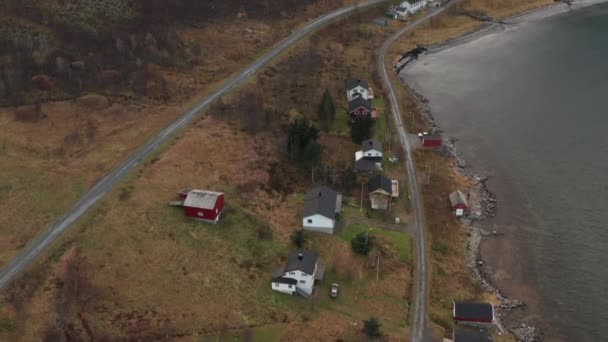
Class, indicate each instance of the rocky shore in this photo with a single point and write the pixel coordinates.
(483, 205)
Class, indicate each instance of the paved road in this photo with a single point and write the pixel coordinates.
(44, 240)
(419, 331)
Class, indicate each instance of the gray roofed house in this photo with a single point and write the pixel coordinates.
(367, 166)
(356, 82)
(380, 189)
(359, 102)
(321, 204)
(305, 261)
(302, 271)
(476, 313)
(380, 183)
(371, 145)
(470, 335)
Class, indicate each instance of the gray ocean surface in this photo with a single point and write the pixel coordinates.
(529, 107)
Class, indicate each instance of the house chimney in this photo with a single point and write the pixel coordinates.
(300, 256)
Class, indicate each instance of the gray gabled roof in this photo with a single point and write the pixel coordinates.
(304, 261)
(471, 335)
(367, 165)
(283, 280)
(359, 102)
(380, 182)
(321, 200)
(457, 197)
(371, 144)
(354, 82)
(473, 311)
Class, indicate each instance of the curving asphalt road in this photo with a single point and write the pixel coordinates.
(419, 331)
(44, 240)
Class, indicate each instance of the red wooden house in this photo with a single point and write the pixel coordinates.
(459, 203)
(359, 107)
(432, 141)
(203, 204)
(473, 313)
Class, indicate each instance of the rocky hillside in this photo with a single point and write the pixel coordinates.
(62, 48)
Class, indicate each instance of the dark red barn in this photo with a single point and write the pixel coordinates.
(204, 205)
(459, 203)
(432, 141)
(474, 313)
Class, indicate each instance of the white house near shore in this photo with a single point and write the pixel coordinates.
(299, 275)
(410, 7)
(321, 205)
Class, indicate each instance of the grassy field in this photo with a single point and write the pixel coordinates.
(402, 241)
(69, 143)
(136, 268)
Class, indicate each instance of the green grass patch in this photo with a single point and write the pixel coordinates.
(380, 126)
(350, 209)
(340, 125)
(401, 240)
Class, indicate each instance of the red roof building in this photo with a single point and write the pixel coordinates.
(459, 203)
(432, 141)
(204, 205)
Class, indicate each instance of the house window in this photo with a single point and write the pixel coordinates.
(292, 273)
(288, 286)
(302, 281)
(309, 220)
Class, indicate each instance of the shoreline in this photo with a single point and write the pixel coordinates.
(485, 198)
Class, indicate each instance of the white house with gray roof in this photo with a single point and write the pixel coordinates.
(321, 205)
(369, 159)
(355, 88)
(298, 276)
(410, 7)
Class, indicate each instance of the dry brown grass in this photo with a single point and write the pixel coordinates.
(47, 165)
(156, 271)
(51, 161)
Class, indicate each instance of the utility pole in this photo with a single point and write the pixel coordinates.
(412, 115)
(428, 175)
(378, 267)
(361, 206)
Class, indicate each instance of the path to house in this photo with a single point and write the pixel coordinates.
(45, 239)
(419, 330)
(409, 228)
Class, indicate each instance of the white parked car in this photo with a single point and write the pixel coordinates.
(334, 290)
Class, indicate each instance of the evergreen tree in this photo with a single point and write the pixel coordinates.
(298, 238)
(360, 129)
(361, 243)
(326, 111)
(371, 328)
(302, 142)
